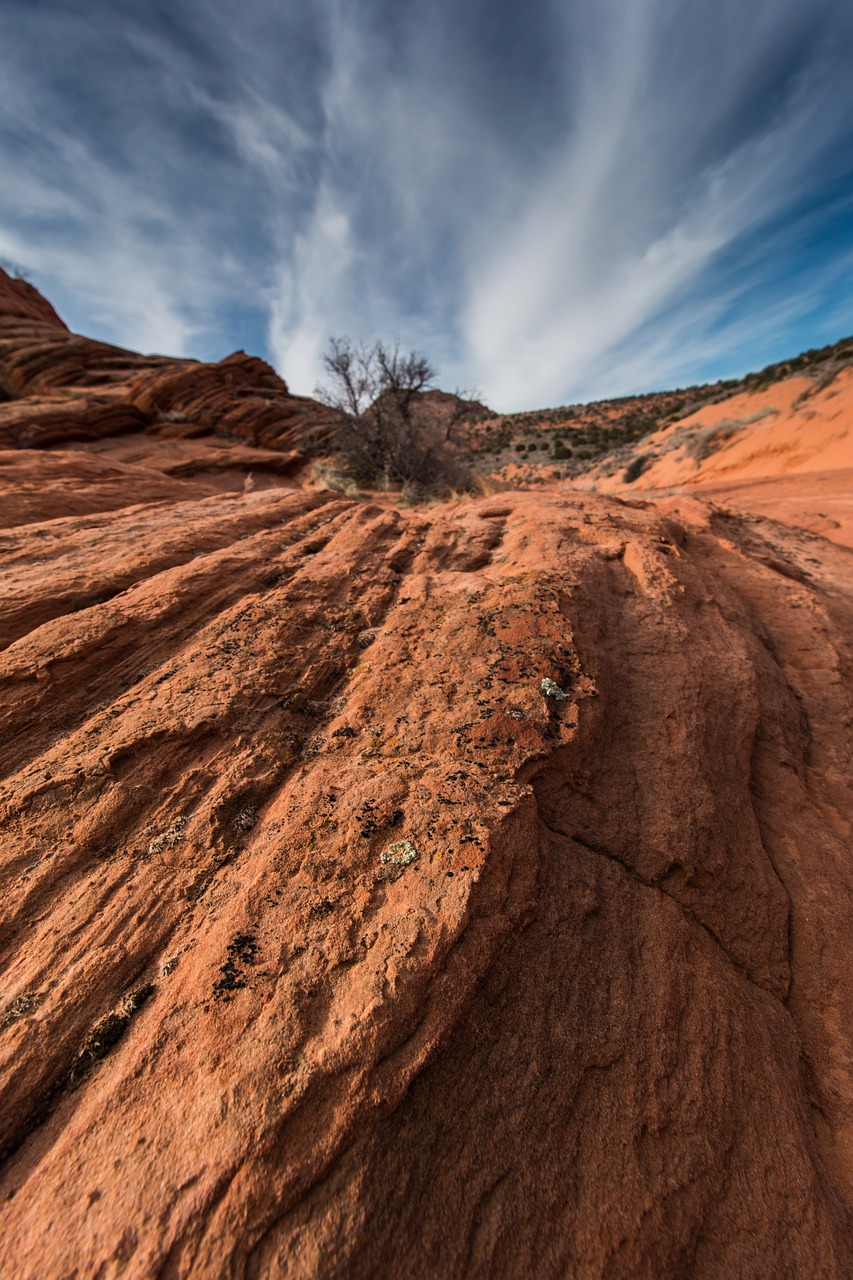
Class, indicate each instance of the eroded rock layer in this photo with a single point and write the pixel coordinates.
(333, 945)
(58, 388)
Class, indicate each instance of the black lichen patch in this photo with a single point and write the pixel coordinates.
(242, 950)
(371, 823)
(321, 909)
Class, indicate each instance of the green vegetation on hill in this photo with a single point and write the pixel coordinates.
(573, 436)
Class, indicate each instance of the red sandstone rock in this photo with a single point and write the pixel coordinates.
(60, 387)
(20, 302)
(35, 485)
(334, 946)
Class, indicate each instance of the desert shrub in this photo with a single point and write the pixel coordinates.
(708, 440)
(328, 476)
(390, 433)
(636, 467)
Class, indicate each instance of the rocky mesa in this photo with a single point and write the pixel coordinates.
(458, 890)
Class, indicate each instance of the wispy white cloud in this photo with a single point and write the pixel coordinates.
(553, 201)
(102, 229)
(624, 225)
(545, 273)
(103, 246)
(109, 268)
(373, 255)
(309, 291)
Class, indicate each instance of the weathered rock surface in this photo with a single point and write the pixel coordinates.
(334, 944)
(600, 1025)
(35, 485)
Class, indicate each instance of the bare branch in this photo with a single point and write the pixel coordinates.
(391, 432)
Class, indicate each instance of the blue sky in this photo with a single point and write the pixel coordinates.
(555, 200)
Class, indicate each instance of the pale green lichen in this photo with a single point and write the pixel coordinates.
(399, 854)
(552, 690)
(245, 819)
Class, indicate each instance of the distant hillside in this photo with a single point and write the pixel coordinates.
(573, 438)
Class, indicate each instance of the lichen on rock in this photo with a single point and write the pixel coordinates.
(552, 690)
(399, 854)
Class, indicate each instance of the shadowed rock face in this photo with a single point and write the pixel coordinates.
(332, 946)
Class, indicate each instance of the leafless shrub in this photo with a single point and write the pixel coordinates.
(392, 430)
(14, 269)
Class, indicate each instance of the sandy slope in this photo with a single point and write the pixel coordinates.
(785, 452)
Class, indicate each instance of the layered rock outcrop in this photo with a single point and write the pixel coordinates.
(461, 890)
(57, 387)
